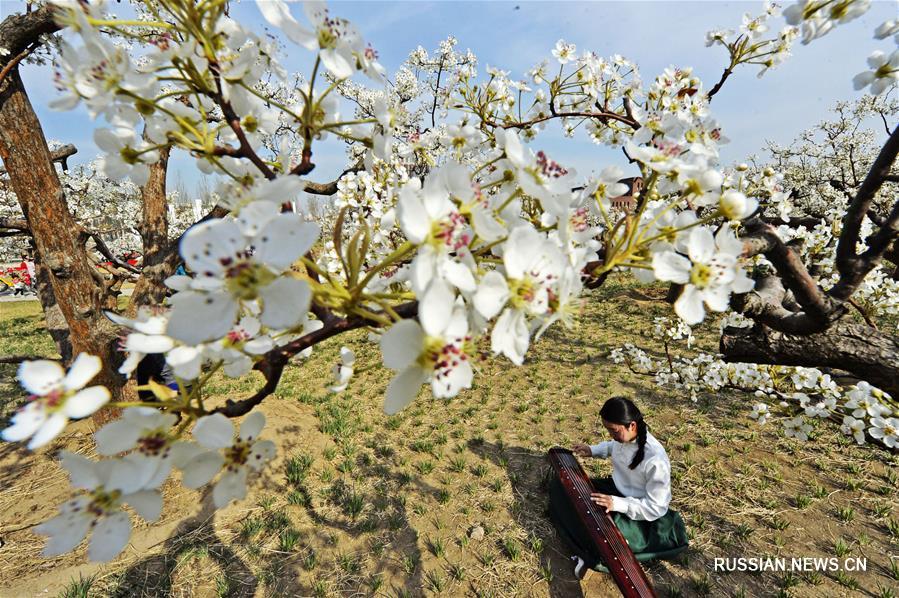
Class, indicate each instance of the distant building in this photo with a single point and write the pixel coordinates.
(628, 202)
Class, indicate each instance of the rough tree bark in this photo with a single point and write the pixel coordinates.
(23, 149)
(856, 348)
(154, 229)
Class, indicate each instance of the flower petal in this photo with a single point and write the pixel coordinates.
(510, 336)
(231, 486)
(261, 452)
(25, 422)
(278, 15)
(147, 503)
(701, 245)
(200, 470)
(214, 431)
(82, 371)
(41, 376)
(86, 402)
(49, 430)
(252, 426)
(284, 302)
(492, 294)
(110, 537)
(284, 240)
(65, 531)
(671, 266)
(689, 305)
(402, 344)
(83, 472)
(436, 307)
(198, 317)
(403, 389)
(148, 343)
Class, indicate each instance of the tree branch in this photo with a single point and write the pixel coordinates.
(272, 365)
(853, 268)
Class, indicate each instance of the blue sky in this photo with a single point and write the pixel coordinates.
(516, 35)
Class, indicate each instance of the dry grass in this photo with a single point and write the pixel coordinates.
(363, 504)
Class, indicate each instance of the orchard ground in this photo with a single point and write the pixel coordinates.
(358, 503)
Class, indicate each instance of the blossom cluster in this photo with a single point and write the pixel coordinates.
(142, 447)
(799, 394)
(442, 234)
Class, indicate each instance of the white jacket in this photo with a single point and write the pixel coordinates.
(646, 488)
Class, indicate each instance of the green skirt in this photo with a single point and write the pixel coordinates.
(662, 538)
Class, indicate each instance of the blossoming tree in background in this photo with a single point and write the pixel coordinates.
(445, 229)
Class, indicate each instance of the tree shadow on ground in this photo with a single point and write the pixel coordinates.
(527, 470)
(153, 576)
(383, 518)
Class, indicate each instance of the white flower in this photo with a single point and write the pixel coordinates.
(437, 350)
(710, 274)
(56, 397)
(428, 217)
(148, 336)
(884, 72)
(343, 371)
(533, 267)
(242, 261)
(335, 38)
(736, 206)
(148, 432)
(109, 484)
(564, 52)
(760, 412)
(241, 452)
(797, 428)
(886, 430)
(854, 427)
(124, 156)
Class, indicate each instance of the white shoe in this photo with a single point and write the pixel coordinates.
(579, 568)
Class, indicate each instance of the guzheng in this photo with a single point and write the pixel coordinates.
(610, 544)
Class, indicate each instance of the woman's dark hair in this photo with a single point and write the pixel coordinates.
(620, 410)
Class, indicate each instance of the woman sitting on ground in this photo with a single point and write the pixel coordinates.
(637, 494)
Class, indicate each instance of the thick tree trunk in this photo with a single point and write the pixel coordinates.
(27, 159)
(856, 348)
(56, 321)
(154, 229)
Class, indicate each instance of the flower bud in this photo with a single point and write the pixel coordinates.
(736, 206)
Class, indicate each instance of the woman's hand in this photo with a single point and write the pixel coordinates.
(582, 450)
(603, 500)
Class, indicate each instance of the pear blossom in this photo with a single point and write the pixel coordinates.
(239, 345)
(733, 205)
(564, 52)
(533, 266)
(436, 350)
(854, 427)
(108, 485)
(343, 370)
(710, 273)
(149, 433)
(537, 175)
(56, 397)
(760, 412)
(242, 261)
(429, 217)
(886, 430)
(125, 156)
(797, 428)
(336, 39)
(147, 336)
(883, 74)
(239, 453)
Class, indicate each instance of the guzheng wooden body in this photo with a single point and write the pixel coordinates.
(610, 544)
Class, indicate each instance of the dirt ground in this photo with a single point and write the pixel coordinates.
(360, 504)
